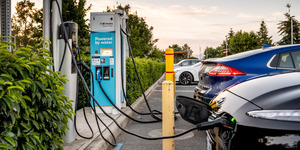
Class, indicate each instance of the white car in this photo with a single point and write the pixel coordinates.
(186, 75)
(186, 62)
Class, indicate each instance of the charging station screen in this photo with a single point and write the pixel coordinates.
(106, 51)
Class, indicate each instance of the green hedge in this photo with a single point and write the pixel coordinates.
(33, 109)
(149, 71)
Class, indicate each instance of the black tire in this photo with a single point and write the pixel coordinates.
(185, 78)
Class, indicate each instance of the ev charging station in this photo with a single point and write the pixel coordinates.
(68, 68)
(108, 48)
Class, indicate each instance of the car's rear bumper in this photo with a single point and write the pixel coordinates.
(212, 86)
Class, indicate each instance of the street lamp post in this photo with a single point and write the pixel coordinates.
(226, 45)
(292, 36)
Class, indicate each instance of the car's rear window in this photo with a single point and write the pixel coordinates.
(206, 67)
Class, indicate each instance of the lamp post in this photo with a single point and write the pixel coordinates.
(292, 36)
(226, 45)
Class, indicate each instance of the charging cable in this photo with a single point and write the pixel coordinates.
(140, 83)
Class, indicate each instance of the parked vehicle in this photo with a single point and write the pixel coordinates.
(219, 73)
(258, 114)
(187, 75)
(186, 62)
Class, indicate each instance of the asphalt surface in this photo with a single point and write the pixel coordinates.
(191, 141)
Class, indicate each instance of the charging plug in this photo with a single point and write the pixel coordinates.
(98, 74)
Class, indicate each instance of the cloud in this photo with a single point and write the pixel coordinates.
(243, 15)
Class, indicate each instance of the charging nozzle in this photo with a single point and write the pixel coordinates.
(98, 75)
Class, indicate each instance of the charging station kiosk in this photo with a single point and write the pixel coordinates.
(108, 48)
(67, 66)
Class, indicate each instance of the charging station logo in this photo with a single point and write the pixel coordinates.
(106, 24)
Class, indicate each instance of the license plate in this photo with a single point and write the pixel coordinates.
(208, 143)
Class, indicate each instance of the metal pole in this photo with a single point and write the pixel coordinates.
(6, 20)
(55, 34)
(292, 38)
(46, 22)
(226, 45)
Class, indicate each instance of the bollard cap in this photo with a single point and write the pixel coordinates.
(169, 51)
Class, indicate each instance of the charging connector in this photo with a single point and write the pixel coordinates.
(99, 73)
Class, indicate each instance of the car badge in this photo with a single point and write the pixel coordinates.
(221, 101)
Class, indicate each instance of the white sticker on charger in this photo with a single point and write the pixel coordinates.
(111, 61)
(96, 61)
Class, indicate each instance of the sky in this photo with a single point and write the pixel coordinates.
(201, 23)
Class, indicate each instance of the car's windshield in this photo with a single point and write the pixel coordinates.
(179, 62)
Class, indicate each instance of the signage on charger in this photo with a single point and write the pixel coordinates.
(106, 24)
(103, 41)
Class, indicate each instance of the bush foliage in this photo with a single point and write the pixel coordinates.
(34, 111)
(149, 71)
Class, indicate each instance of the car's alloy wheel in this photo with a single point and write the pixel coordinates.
(185, 78)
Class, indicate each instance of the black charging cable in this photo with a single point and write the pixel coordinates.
(92, 96)
(140, 83)
(139, 121)
(124, 93)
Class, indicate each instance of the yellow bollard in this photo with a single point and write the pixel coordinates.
(170, 74)
(168, 114)
(170, 64)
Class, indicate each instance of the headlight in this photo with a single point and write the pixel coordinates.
(284, 115)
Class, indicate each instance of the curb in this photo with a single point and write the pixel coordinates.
(97, 143)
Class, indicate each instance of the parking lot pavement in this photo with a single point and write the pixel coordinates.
(193, 140)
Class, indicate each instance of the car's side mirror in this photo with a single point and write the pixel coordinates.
(192, 110)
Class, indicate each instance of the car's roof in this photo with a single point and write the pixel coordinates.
(253, 52)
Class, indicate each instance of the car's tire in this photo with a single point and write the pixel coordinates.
(185, 78)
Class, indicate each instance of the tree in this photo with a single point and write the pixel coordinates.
(186, 48)
(26, 24)
(156, 53)
(243, 41)
(176, 47)
(210, 52)
(225, 43)
(75, 11)
(231, 33)
(263, 34)
(141, 39)
(285, 29)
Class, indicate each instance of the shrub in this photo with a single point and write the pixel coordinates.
(34, 111)
(149, 71)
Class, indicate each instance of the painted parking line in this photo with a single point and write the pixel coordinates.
(118, 146)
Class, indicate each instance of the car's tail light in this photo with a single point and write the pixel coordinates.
(284, 115)
(224, 70)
